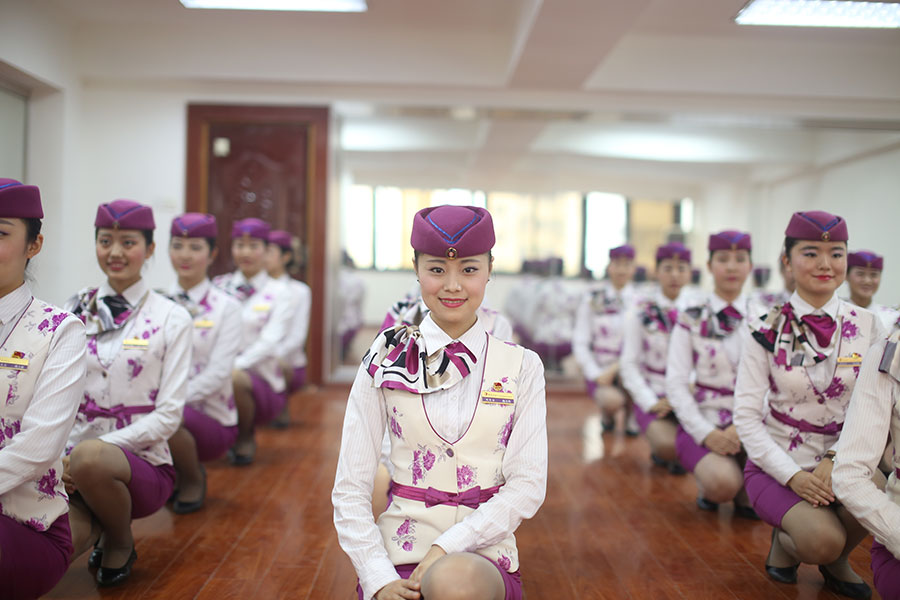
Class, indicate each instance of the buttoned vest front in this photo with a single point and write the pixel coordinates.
(715, 373)
(208, 319)
(423, 459)
(792, 393)
(39, 502)
(654, 354)
(124, 391)
(607, 325)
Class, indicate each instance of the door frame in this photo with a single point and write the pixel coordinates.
(316, 118)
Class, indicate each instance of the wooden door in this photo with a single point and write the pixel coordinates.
(268, 162)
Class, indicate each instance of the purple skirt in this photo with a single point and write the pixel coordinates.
(269, 403)
(512, 582)
(643, 419)
(885, 571)
(212, 438)
(689, 452)
(32, 562)
(770, 499)
(150, 485)
(298, 379)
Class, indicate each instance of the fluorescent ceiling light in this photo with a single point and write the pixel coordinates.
(821, 13)
(305, 5)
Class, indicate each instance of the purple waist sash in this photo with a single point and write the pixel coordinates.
(652, 370)
(121, 413)
(806, 426)
(718, 390)
(472, 497)
(606, 351)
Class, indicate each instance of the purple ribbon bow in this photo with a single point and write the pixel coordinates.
(471, 497)
(822, 326)
(121, 413)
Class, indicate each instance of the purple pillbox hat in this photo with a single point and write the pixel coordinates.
(255, 228)
(194, 225)
(125, 214)
(675, 250)
(625, 251)
(866, 259)
(817, 225)
(280, 238)
(19, 201)
(729, 240)
(452, 231)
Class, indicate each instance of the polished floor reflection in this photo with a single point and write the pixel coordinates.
(612, 526)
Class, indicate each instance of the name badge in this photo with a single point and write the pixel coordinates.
(136, 344)
(854, 360)
(204, 324)
(262, 307)
(12, 362)
(492, 397)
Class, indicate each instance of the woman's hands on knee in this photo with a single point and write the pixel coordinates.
(434, 553)
(720, 442)
(662, 408)
(401, 589)
(67, 477)
(812, 488)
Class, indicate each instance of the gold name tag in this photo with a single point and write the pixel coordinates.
(262, 307)
(492, 397)
(10, 362)
(136, 344)
(854, 360)
(204, 324)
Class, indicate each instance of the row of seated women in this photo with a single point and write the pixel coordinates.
(114, 403)
(784, 408)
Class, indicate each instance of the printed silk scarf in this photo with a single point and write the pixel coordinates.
(397, 361)
(98, 317)
(781, 333)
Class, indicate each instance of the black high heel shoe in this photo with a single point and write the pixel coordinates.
(96, 556)
(845, 588)
(184, 508)
(108, 577)
(781, 574)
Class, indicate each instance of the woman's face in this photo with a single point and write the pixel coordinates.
(863, 282)
(191, 257)
(249, 254)
(121, 254)
(15, 252)
(730, 269)
(453, 289)
(620, 271)
(672, 275)
(818, 268)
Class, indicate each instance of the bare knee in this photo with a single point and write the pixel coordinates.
(720, 482)
(241, 380)
(95, 460)
(461, 576)
(610, 398)
(661, 436)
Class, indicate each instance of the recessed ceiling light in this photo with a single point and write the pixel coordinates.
(821, 13)
(303, 5)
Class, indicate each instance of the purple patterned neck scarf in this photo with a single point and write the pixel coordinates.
(397, 361)
(781, 333)
(99, 317)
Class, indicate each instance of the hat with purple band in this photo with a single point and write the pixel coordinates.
(281, 238)
(194, 225)
(254, 228)
(817, 225)
(675, 250)
(452, 231)
(125, 214)
(865, 259)
(623, 251)
(20, 201)
(729, 240)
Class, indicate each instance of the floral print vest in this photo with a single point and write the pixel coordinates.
(423, 459)
(715, 373)
(792, 393)
(39, 502)
(207, 320)
(607, 324)
(655, 332)
(124, 391)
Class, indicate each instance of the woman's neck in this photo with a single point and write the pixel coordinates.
(189, 283)
(814, 300)
(860, 301)
(10, 288)
(249, 276)
(455, 330)
(728, 297)
(119, 287)
(276, 273)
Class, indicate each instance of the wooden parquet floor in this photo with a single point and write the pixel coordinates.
(612, 526)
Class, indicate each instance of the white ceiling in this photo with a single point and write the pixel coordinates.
(646, 96)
